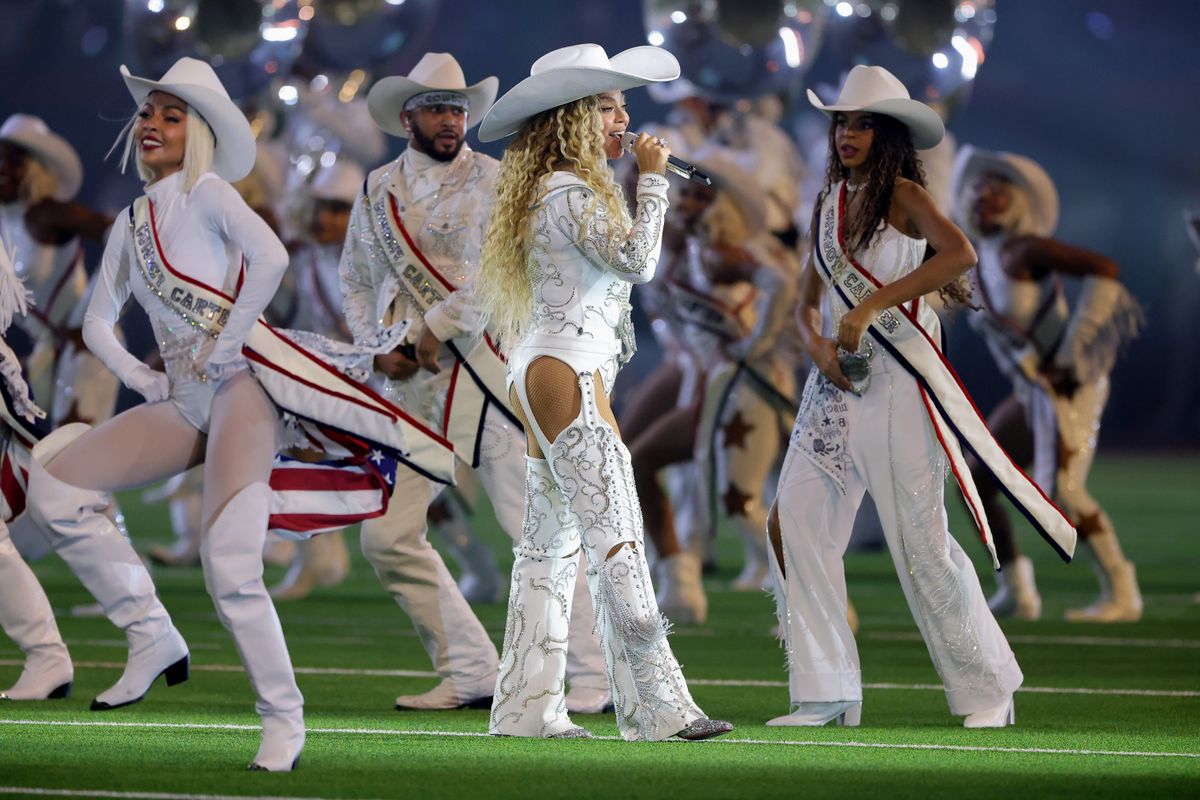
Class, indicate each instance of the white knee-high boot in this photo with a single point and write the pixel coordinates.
(593, 469)
(231, 554)
(85, 538)
(27, 619)
(529, 698)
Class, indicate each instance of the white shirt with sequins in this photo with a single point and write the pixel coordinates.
(204, 234)
(581, 271)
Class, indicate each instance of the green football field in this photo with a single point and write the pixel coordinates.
(1106, 711)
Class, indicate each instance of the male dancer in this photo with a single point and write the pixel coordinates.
(414, 240)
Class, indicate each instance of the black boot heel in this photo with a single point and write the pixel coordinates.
(61, 692)
(178, 672)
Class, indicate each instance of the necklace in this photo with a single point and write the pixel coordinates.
(854, 187)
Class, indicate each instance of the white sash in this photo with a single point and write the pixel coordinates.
(329, 404)
(478, 379)
(953, 414)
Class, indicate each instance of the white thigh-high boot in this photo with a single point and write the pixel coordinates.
(592, 467)
(415, 575)
(530, 689)
(503, 473)
(26, 617)
(231, 554)
(105, 563)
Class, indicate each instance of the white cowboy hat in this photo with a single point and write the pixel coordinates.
(434, 72)
(1026, 173)
(570, 73)
(673, 91)
(878, 91)
(730, 177)
(48, 147)
(342, 181)
(196, 83)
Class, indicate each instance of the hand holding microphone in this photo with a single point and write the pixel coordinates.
(649, 151)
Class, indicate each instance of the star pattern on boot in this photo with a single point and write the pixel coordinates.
(735, 501)
(736, 431)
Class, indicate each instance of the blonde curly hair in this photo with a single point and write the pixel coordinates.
(569, 137)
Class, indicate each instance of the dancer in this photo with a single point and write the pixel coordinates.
(728, 288)
(40, 174)
(25, 613)
(183, 250)
(883, 412)
(1059, 362)
(414, 240)
(557, 268)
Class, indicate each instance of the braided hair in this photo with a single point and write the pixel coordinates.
(892, 156)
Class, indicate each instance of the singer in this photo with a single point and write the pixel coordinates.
(555, 274)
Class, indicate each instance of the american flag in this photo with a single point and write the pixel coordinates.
(313, 497)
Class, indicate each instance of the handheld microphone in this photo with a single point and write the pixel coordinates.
(677, 165)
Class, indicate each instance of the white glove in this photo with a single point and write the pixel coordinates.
(223, 371)
(149, 383)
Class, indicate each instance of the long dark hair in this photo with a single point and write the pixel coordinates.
(892, 156)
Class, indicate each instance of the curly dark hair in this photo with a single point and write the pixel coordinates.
(892, 156)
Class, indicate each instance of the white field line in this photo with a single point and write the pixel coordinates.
(1055, 751)
(30, 790)
(735, 683)
(1035, 638)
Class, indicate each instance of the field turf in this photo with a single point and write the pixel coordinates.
(1106, 711)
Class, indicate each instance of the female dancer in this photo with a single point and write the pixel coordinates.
(556, 271)
(1059, 360)
(184, 250)
(873, 415)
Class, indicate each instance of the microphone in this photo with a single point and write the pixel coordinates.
(677, 165)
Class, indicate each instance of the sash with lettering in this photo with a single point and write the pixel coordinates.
(707, 312)
(953, 414)
(478, 379)
(338, 415)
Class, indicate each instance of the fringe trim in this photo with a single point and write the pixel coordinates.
(1096, 350)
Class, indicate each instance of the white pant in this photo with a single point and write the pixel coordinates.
(416, 576)
(892, 452)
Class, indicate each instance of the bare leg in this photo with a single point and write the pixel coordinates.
(667, 440)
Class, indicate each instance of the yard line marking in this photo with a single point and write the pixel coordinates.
(139, 795)
(1064, 751)
(937, 687)
(123, 644)
(734, 683)
(370, 673)
(1035, 638)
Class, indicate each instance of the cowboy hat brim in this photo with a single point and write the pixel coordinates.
(235, 150)
(732, 178)
(387, 98)
(59, 157)
(1024, 172)
(628, 69)
(923, 123)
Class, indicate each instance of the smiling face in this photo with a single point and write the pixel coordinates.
(854, 132)
(437, 131)
(614, 118)
(160, 133)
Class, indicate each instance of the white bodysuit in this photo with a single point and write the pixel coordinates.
(205, 234)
